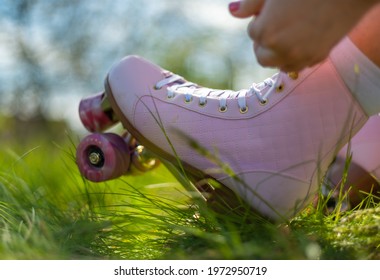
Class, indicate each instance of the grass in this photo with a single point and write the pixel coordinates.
(48, 211)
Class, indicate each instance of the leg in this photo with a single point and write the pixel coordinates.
(364, 170)
(366, 35)
(358, 61)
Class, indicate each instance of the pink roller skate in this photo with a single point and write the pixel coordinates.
(271, 144)
(363, 170)
(105, 156)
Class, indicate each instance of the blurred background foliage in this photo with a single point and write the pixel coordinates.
(52, 53)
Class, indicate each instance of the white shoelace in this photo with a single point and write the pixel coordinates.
(179, 85)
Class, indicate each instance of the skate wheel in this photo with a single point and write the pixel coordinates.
(102, 157)
(143, 160)
(96, 114)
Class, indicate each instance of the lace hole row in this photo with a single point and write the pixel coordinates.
(222, 109)
(189, 100)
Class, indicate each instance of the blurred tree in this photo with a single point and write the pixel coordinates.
(65, 47)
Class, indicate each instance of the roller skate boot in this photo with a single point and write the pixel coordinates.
(271, 144)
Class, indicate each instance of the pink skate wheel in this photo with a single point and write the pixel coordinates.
(96, 114)
(102, 157)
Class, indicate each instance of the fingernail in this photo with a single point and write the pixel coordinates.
(234, 6)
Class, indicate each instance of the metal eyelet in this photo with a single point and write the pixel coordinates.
(243, 110)
(155, 87)
(188, 100)
(280, 88)
(293, 75)
(202, 104)
(223, 109)
(170, 96)
(263, 102)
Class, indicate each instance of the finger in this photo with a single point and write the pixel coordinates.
(245, 8)
(297, 64)
(252, 30)
(267, 57)
(257, 31)
(289, 68)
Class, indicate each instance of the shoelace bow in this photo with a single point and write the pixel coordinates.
(179, 85)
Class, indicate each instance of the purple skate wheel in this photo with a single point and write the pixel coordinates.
(102, 157)
(96, 114)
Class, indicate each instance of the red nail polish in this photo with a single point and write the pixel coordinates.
(234, 6)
